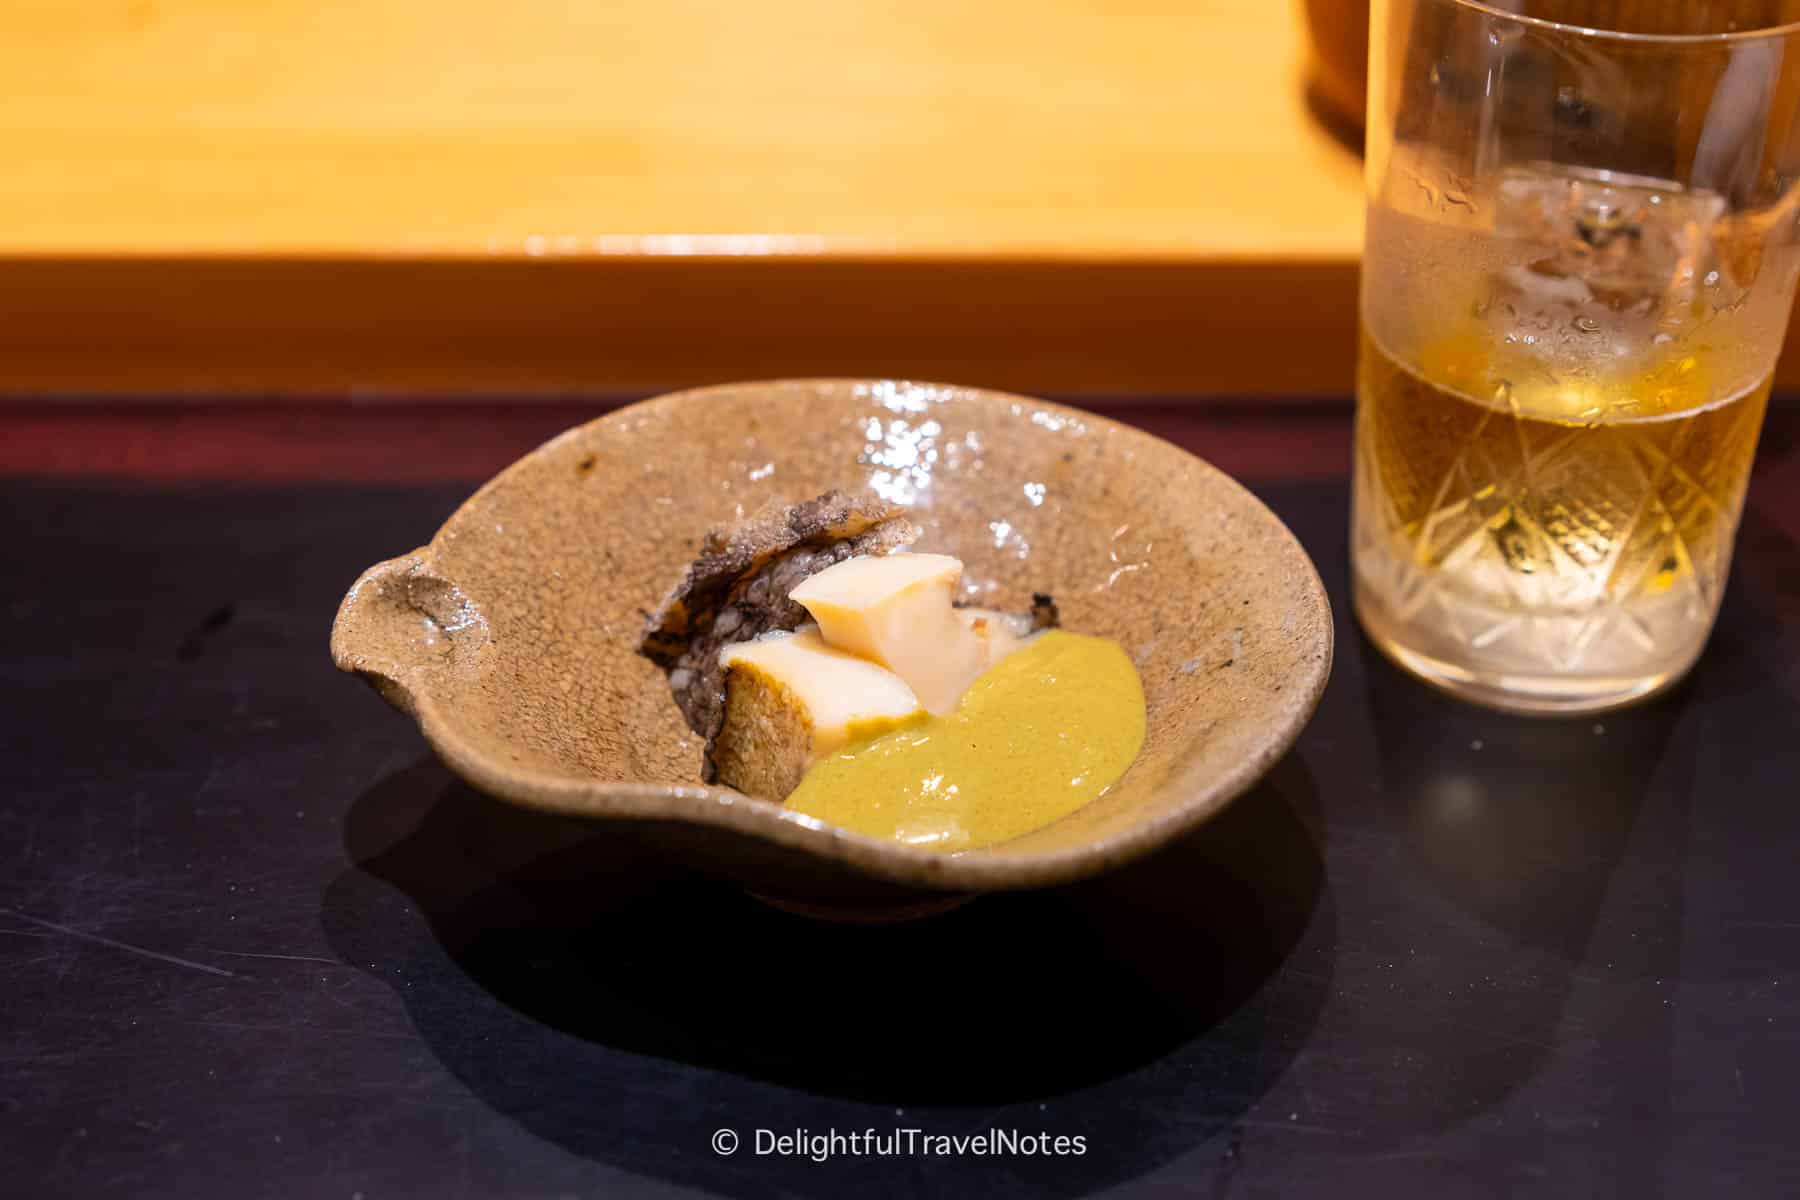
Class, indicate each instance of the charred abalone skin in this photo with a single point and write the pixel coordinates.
(738, 588)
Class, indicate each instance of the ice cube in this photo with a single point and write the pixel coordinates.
(1635, 242)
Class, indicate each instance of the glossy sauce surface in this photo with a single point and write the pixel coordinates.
(1041, 734)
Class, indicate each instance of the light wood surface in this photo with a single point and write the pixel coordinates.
(549, 195)
(470, 127)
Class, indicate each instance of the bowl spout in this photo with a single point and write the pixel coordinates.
(401, 620)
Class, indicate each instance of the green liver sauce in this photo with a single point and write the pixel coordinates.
(1035, 738)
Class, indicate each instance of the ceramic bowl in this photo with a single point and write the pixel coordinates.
(511, 638)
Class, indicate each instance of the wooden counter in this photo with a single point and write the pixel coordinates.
(540, 196)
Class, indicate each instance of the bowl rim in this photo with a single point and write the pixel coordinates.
(984, 869)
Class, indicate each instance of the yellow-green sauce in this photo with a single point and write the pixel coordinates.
(1041, 734)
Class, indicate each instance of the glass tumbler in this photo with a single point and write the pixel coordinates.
(1580, 258)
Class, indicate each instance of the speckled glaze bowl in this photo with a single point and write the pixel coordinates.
(511, 638)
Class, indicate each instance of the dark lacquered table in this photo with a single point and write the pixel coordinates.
(257, 942)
